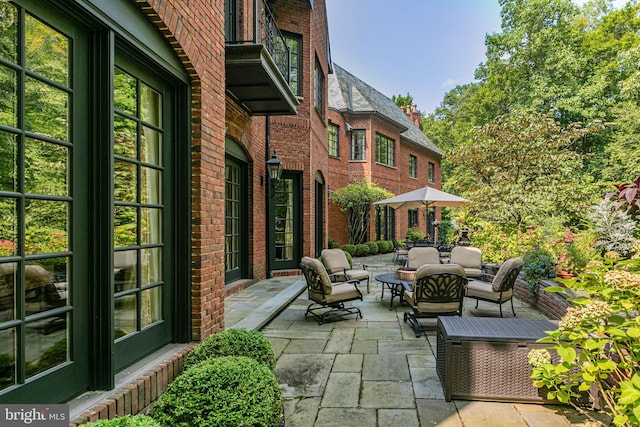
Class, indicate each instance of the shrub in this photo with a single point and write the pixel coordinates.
(362, 249)
(233, 342)
(333, 244)
(413, 235)
(350, 249)
(373, 248)
(597, 341)
(223, 392)
(382, 246)
(538, 264)
(126, 421)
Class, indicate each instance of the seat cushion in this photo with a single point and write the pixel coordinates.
(484, 290)
(358, 274)
(473, 272)
(504, 270)
(430, 307)
(343, 292)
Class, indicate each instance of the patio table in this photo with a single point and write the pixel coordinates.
(394, 285)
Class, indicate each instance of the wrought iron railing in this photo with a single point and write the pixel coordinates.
(262, 29)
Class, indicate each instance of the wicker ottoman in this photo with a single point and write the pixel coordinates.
(486, 358)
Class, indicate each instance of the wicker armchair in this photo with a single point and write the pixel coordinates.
(500, 290)
(339, 269)
(438, 290)
(328, 298)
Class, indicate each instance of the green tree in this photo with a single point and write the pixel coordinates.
(402, 101)
(355, 199)
(520, 168)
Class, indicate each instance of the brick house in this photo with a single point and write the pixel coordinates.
(372, 139)
(135, 192)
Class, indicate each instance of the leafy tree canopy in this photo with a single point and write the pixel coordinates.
(402, 101)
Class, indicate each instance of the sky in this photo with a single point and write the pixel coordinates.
(421, 47)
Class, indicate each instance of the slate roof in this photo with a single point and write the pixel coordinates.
(347, 93)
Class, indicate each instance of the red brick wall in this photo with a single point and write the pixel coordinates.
(395, 179)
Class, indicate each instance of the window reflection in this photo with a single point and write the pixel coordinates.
(124, 181)
(47, 51)
(9, 98)
(124, 92)
(125, 315)
(8, 32)
(150, 306)
(150, 146)
(151, 266)
(7, 355)
(124, 137)
(125, 226)
(150, 227)
(8, 227)
(46, 168)
(44, 351)
(46, 229)
(46, 109)
(124, 270)
(150, 106)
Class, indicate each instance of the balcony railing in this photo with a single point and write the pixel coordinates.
(264, 31)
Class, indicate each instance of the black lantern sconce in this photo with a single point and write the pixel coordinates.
(274, 171)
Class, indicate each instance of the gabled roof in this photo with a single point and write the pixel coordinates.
(349, 94)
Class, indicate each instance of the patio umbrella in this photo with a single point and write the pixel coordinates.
(425, 196)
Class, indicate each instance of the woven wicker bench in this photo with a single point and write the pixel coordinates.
(486, 358)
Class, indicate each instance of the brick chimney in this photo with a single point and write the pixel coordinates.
(414, 115)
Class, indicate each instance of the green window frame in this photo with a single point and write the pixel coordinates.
(413, 166)
(358, 150)
(332, 140)
(294, 43)
(385, 150)
(318, 88)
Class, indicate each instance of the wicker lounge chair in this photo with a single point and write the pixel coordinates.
(328, 297)
(501, 289)
(438, 290)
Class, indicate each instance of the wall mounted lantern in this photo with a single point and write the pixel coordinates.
(274, 170)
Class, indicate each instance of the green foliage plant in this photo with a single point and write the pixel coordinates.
(615, 227)
(373, 248)
(577, 250)
(362, 249)
(223, 391)
(538, 264)
(349, 249)
(382, 246)
(413, 235)
(233, 342)
(355, 199)
(333, 244)
(598, 341)
(126, 421)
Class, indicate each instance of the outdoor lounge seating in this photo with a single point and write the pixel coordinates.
(339, 268)
(399, 251)
(419, 256)
(328, 298)
(437, 290)
(469, 258)
(500, 290)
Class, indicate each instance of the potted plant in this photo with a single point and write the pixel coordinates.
(538, 264)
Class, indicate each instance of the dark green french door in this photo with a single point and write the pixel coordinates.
(236, 256)
(285, 237)
(44, 313)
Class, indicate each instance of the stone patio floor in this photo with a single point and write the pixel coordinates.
(371, 371)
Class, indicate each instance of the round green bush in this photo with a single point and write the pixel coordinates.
(233, 342)
(362, 249)
(333, 244)
(223, 392)
(373, 248)
(126, 421)
(389, 246)
(382, 246)
(350, 249)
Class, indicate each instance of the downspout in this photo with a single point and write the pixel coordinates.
(267, 156)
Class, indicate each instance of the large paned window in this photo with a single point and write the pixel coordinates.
(318, 89)
(332, 140)
(36, 198)
(385, 223)
(138, 204)
(92, 187)
(385, 150)
(294, 43)
(413, 218)
(413, 166)
(432, 173)
(358, 145)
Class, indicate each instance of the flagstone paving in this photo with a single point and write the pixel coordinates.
(371, 371)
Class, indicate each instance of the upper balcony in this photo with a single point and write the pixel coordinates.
(257, 60)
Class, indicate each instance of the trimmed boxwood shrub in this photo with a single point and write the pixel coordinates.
(362, 249)
(233, 342)
(373, 248)
(223, 392)
(382, 246)
(126, 421)
(350, 249)
(333, 244)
